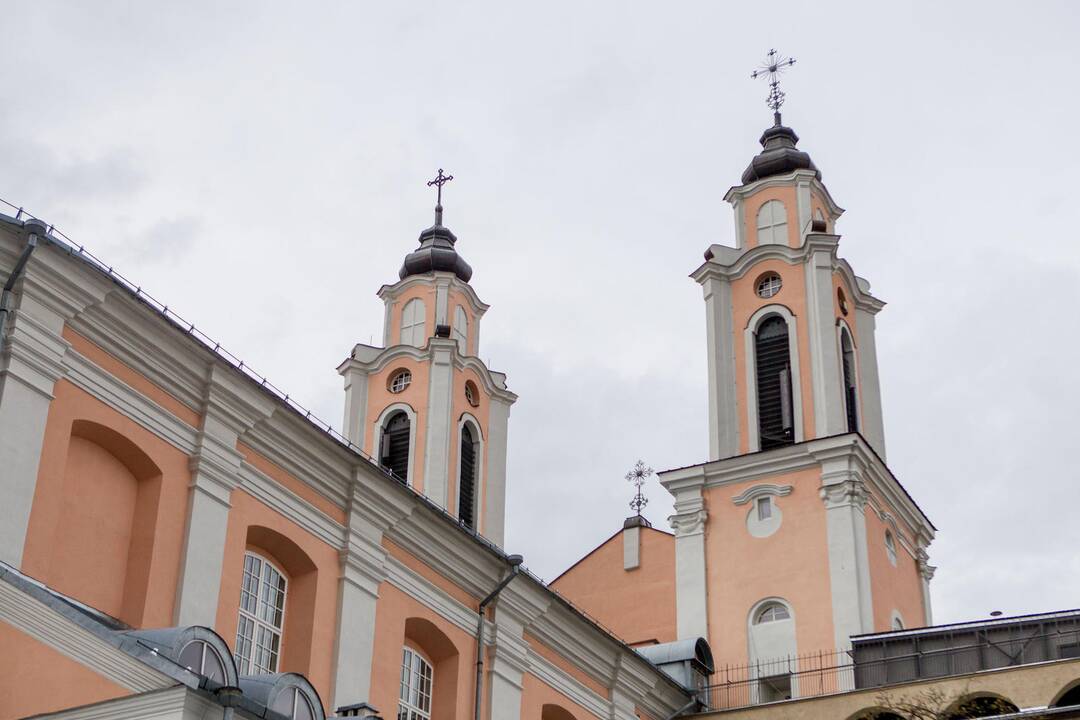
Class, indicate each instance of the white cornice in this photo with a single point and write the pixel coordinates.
(739, 192)
(292, 506)
(167, 704)
(392, 292)
(555, 677)
(849, 448)
(47, 626)
(429, 595)
(729, 264)
(761, 490)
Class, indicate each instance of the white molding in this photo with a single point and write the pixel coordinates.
(44, 624)
(173, 703)
(736, 194)
(761, 490)
(429, 595)
(451, 280)
(566, 684)
(376, 437)
(129, 402)
(279, 498)
(749, 346)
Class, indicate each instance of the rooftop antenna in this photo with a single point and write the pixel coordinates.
(773, 67)
(638, 475)
(438, 182)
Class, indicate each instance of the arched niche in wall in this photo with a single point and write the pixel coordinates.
(445, 658)
(980, 705)
(301, 575)
(555, 712)
(104, 537)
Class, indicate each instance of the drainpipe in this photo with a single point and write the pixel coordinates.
(36, 228)
(515, 568)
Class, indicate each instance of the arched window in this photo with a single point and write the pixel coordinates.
(460, 330)
(200, 658)
(394, 445)
(897, 622)
(412, 323)
(771, 612)
(890, 546)
(294, 703)
(772, 224)
(414, 700)
(847, 351)
(467, 477)
(773, 361)
(262, 611)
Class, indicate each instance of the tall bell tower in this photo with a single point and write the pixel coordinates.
(795, 535)
(424, 405)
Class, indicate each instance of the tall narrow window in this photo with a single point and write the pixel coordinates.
(412, 323)
(262, 608)
(850, 395)
(394, 445)
(775, 416)
(460, 330)
(772, 224)
(467, 479)
(414, 699)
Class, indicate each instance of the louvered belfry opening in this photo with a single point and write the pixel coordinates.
(850, 396)
(775, 425)
(467, 489)
(394, 446)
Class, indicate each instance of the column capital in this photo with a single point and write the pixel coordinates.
(848, 493)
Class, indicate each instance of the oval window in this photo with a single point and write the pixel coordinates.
(399, 381)
(471, 393)
(768, 285)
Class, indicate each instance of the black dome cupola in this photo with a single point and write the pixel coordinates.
(436, 252)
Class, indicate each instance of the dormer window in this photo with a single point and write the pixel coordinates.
(772, 224)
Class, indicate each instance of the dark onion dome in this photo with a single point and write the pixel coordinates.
(779, 155)
(436, 254)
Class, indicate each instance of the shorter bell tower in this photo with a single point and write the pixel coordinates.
(424, 405)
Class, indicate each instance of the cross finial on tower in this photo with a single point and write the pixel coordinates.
(638, 475)
(438, 182)
(773, 67)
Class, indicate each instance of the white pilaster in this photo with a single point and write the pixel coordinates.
(508, 658)
(229, 410)
(437, 437)
(442, 301)
(691, 593)
(873, 426)
(362, 570)
(356, 401)
(29, 369)
(802, 199)
(926, 574)
(495, 488)
(720, 335)
(631, 547)
(844, 496)
(829, 415)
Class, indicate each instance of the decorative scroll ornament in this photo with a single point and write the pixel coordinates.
(638, 475)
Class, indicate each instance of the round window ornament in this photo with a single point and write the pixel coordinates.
(399, 381)
(471, 393)
(841, 300)
(768, 285)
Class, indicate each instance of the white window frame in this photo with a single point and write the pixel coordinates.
(764, 507)
(890, 546)
(413, 322)
(775, 607)
(377, 432)
(459, 331)
(771, 231)
(478, 479)
(409, 699)
(248, 665)
(843, 328)
(393, 380)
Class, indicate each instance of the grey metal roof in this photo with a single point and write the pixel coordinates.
(436, 253)
(778, 156)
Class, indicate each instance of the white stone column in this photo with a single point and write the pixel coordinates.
(229, 410)
(495, 485)
(356, 396)
(844, 496)
(720, 337)
(926, 574)
(830, 416)
(29, 368)
(691, 592)
(437, 437)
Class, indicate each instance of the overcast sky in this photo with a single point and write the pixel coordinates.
(260, 167)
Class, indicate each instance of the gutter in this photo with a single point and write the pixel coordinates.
(35, 229)
(515, 568)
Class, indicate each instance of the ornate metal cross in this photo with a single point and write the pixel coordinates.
(638, 475)
(772, 68)
(439, 181)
